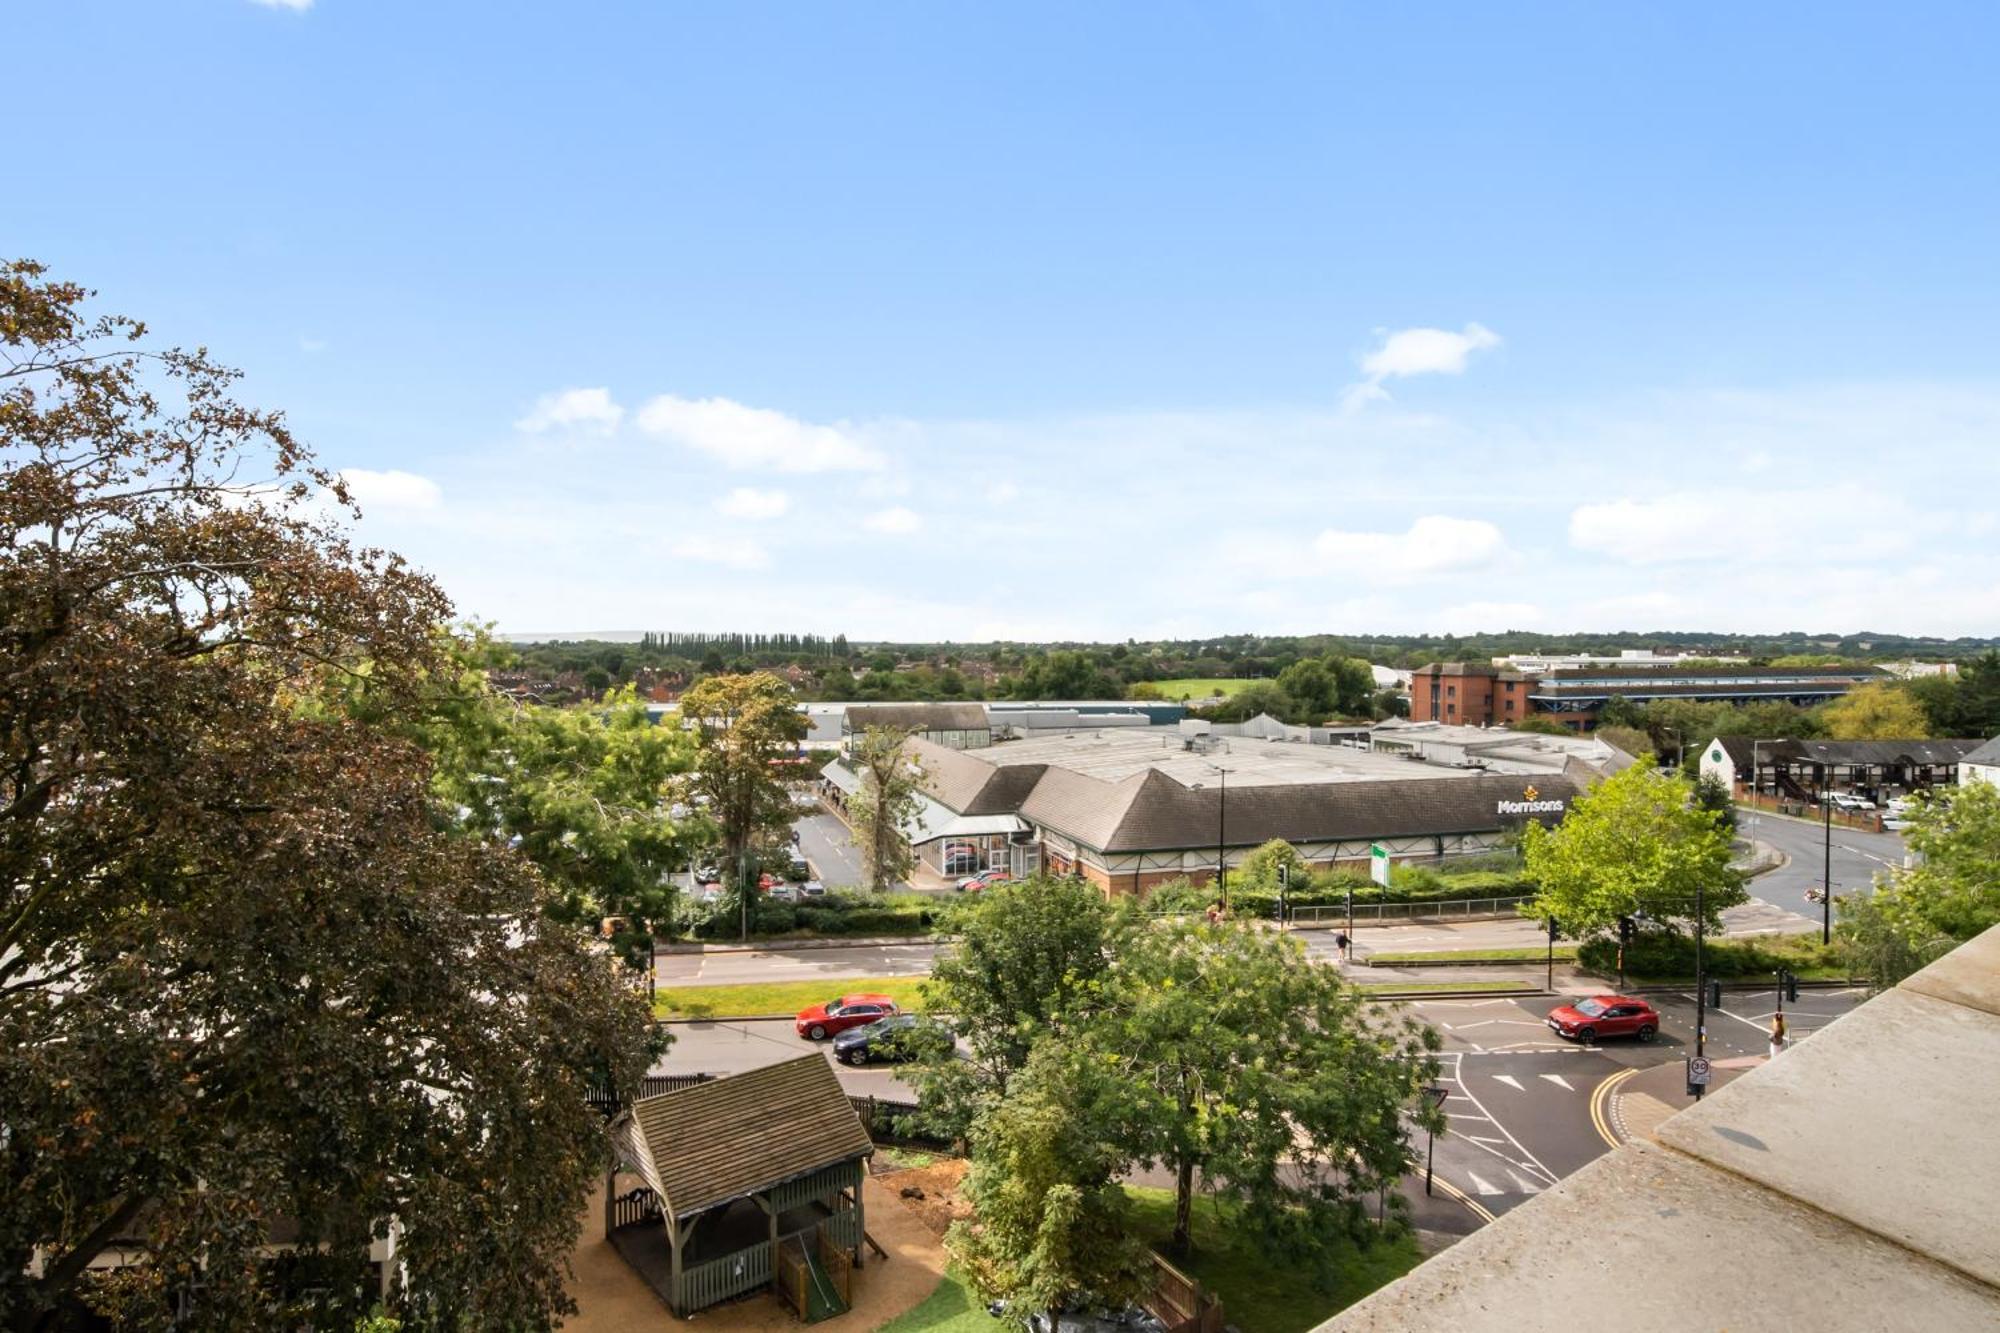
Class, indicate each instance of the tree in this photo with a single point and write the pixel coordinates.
(249, 976)
(1637, 842)
(1051, 1227)
(745, 727)
(1312, 689)
(1066, 675)
(1026, 955)
(1950, 895)
(884, 806)
(1876, 713)
(1260, 869)
(1238, 1059)
(1965, 704)
(585, 793)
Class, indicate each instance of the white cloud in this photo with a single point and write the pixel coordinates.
(1408, 352)
(895, 521)
(310, 344)
(576, 411)
(755, 437)
(296, 6)
(1434, 544)
(1002, 492)
(729, 552)
(1724, 525)
(391, 490)
(749, 502)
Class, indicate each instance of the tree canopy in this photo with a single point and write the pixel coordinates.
(1637, 842)
(1951, 894)
(884, 804)
(747, 728)
(250, 975)
(1879, 712)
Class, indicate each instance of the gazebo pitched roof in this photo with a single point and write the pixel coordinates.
(728, 1139)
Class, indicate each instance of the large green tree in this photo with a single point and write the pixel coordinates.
(1026, 955)
(884, 805)
(1878, 712)
(1240, 1064)
(1949, 895)
(748, 729)
(1052, 1228)
(587, 793)
(1638, 842)
(254, 986)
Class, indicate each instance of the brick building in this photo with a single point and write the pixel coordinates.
(1478, 694)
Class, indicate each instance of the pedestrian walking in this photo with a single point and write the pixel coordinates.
(1778, 1038)
(1340, 944)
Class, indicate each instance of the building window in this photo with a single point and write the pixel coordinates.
(1451, 691)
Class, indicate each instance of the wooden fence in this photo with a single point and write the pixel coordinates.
(634, 1207)
(717, 1280)
(1181, 1303)
(607, 1100)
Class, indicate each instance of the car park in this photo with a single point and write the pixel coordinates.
(897, 1037)
(817, 1022)
(1605, 1016)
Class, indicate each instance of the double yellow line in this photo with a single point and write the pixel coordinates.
(1479, 1210)
(1600, 1105)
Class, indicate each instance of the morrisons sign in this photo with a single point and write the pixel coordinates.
(1530, 803)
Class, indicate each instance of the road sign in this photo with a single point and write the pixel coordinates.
(1697, 1071)
(1378, 864)
(1436, 1095)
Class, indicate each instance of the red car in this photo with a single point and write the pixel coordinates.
(821, 1021)
(1606, 1016)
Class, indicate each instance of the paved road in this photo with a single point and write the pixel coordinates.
(834, 859)
(1857, 859)
(1519, 1097)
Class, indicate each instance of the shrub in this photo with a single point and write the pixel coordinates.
(1671, 954)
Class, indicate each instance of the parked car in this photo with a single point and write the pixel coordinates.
(1606, 1016)
(707, 874)
(812, 888)
(984, 879)
(1898, 820)
(784, 893)
(767, 882)
(898, 1037)
(800, 868)
(1848, 801)
(820, 1021)
(709, 893)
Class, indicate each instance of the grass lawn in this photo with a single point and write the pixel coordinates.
(1198, 688)
(1261, 1293)
(952, 1308)
(1565, 953)
(778, 999)
(1443, 987)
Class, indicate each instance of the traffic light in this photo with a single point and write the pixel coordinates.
(1555, 929)
(1625, 926)
(1791, 987)
(1715, 995)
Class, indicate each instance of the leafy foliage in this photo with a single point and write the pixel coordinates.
(1637, 842)
(884, 804)
(1052, 1227)
(1026, 954)
(1951, 894)
(1232, 1056)
(746, 728)
(249, 974)
(1875, 713)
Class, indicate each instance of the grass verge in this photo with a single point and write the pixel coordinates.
(1260, 1292)
(1443, 987)
(777, 999)
(950, 1308)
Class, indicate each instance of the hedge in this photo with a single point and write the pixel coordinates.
(1670, 954)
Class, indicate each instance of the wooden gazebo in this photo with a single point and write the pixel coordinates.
(733, 1174)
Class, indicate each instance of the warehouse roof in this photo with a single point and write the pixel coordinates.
(917, 717)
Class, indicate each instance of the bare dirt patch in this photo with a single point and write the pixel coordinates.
(932, 1192)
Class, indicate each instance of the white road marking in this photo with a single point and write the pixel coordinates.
(1477, 1106)
(1526, 1187)
(1510, 1081)
(1559, 1081)
(1483, 1186)
(1474, 1138)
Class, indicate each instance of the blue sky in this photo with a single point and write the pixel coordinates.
(1080, 320)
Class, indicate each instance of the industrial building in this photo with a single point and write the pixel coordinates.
(1477, 694)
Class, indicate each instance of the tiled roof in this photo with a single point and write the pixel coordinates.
(970, 785)
(1988, 753)
(1153, 811)
(734, 1136)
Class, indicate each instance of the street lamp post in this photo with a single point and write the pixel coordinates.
(1221, 832)
(1826, 860)
(1700, 981)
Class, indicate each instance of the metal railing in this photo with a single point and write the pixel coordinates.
(1336, 913)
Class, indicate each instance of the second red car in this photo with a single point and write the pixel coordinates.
(820, 1021)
